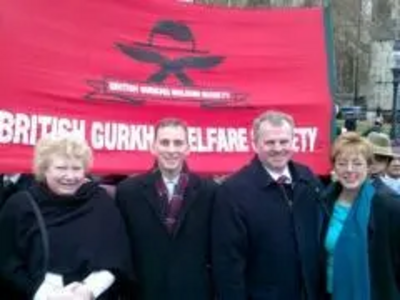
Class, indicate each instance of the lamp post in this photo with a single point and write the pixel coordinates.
(395, 130)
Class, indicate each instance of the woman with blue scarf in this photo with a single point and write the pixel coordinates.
(362, 233)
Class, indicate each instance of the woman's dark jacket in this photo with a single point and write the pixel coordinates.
(383, 242)
(85, 232)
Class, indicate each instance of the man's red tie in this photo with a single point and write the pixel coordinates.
(282, 179)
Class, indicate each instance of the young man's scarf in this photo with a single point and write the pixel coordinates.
(174, 204)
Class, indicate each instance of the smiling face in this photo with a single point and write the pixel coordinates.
(64, 175)
(351, 157)
(351, 169)
(274, 145)
(171, 148)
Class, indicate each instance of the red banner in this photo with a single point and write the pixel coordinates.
(108, 70)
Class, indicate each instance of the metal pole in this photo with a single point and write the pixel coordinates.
(396, 104)
(356, 61)
(330, 55)
(396, 79)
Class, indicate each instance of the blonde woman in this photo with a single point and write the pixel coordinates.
(362, 235)
(88, 255)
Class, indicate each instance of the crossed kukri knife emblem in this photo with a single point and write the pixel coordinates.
(169, 67)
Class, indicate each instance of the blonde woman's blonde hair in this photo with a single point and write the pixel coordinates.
(70, 146)
(276, 118)
(352, 143)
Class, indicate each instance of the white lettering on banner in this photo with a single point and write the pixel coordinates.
(210, 139)
(143, 89)
(123, 87)
(215, 95)
(122, 137)
(155, 91)
(25, 129)
(185, 93)
(305, 139)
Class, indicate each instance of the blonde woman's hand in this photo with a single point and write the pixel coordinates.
(61, 294)
(80, 291)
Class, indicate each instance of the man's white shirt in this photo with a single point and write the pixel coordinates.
(275, 175)
(170, 184)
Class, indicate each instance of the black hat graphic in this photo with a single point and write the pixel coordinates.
(176, 31)
(181, 33)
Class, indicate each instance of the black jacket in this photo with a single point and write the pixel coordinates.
(169, 267)
(383, 242)
(24, 182)
(263, 247)
(383, 189)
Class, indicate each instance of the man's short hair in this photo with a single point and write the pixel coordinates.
(275, 118)
(170, 122)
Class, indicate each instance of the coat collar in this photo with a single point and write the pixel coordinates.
(190, 196)
(264, 179)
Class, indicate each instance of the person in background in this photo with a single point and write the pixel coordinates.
(392, 176)
(350, 122)
(13, 183)
(382, 156)
(86, 259)
(266, 222)
(362, 234)
(377, 127)
(167, 212)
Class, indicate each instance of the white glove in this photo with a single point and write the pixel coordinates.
(73, 291)
(51, 283)
(62, 294)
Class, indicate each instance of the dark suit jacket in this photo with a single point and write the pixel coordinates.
(384, 242)
(263, 248)
(383, 189)
(169, 267)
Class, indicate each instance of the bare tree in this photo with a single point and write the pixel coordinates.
(356, 24)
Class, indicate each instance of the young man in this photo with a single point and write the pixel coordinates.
(167, 213)
(266, 222)
(383, 155)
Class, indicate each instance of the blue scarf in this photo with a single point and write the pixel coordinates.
(351, 278)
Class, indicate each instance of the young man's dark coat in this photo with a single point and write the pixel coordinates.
(169, 266)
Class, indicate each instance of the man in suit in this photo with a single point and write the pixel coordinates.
(267, 221)
(168, 213)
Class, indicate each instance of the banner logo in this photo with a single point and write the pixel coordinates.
(152, 52)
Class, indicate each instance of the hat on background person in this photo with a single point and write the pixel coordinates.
(381, 144)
